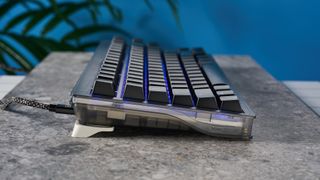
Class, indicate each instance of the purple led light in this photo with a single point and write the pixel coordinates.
(145, 60)
(165, 79)
(226, 117)
(127, 56)
(221, 116)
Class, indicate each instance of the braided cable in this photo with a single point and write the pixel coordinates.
(23, 101)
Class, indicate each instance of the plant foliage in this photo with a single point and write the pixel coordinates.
(57, 12)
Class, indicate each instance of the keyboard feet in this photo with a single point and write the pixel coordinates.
(80, 130)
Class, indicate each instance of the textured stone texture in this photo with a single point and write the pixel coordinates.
(36, 144)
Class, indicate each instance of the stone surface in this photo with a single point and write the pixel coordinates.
(307, 91)
(36, 144)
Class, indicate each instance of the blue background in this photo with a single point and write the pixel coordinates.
(281, 35)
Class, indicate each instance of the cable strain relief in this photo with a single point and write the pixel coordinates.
(61, 108)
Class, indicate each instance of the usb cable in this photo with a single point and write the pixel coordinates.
(57, 108)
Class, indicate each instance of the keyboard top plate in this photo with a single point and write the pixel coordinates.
(84, 86)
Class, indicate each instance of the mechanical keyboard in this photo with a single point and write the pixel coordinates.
(137, 84)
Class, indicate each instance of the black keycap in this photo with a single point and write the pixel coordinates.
(157, 91)
(107, 77)
(158, 94)
(225, 92)
(193, 80)
(230, 103)
(181, 94)
(221, 87)
(204, 97)
(227, 98)
(134, 91)
(212, 70)
(184, 51)
(137, 40)
(134, 87)
(104, 87)
(181, 97)
(198, 51)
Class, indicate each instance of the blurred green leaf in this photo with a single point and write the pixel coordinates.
(85, 31)
(114, 11)
(95, 5)
(36, 19)
(15, 54)
(35, 15)
(52, 45)
(9, 4)
(56, 8)
(17, 19)
(54, 5)
(26, 5)
(149, 5)
(37, 50)
(6, 7)
(173, 6)
(57, 19)
(38, 10)
(93, 14)
(36, 2)
(39, 47)
(87, 45)
(4, 64)
(94, 10)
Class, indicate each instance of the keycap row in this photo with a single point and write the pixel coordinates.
(227, 99)
(157, 90)
(203, 95)
(191, 78)
(134, 87)
(108, 75)
(181, 94)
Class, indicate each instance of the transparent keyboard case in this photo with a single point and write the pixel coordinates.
(95, 111)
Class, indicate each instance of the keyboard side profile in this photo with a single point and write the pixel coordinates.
(141, 85)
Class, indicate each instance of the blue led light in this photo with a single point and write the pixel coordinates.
(221, 116)
(165, 79)
(226, 117)
(145, 58)
(97, 96)
(127, 60)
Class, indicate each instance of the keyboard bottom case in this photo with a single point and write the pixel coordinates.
(100, 113)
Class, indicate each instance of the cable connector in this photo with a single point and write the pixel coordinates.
(61, 108)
